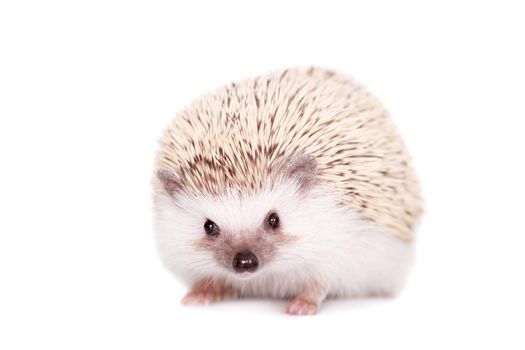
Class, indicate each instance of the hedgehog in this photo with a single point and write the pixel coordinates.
(293, 185)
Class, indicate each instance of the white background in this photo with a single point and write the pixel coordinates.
(87, 87)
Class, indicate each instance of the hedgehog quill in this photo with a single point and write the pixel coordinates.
(294, 184)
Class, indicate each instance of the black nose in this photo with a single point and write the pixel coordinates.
(245, 261)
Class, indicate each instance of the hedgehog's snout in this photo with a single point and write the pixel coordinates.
(245, 261)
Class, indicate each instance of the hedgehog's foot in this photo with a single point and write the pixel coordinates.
(300, 306)
(207, 291)
(308, 302)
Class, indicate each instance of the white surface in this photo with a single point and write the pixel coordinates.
(85, 90)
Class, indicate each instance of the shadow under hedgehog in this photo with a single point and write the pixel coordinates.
(294, 184)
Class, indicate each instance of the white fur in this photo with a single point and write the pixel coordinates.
(345, 255)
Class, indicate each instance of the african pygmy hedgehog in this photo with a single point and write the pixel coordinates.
(294, 184)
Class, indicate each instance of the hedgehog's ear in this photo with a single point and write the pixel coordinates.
(169, 181)
(302, 169)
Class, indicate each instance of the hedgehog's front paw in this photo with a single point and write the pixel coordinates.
(308, 301)
(206, 291)
(200, 297)
(301, 306)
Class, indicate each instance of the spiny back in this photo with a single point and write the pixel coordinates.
(237, 137)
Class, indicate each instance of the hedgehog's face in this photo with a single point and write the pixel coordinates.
(242, 235)
(245, 251)
(232, 235)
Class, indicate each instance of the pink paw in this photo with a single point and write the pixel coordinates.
(300, 306)
(200, 298)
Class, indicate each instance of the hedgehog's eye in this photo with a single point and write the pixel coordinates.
(272, 221)
(211, 228)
